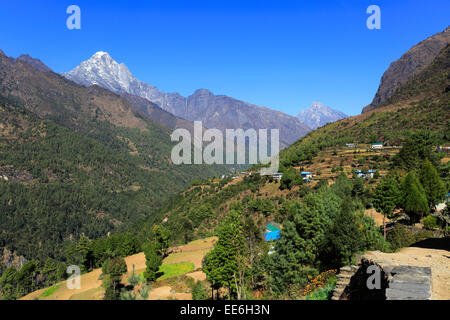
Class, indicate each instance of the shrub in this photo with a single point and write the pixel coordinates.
(199, 291)
(403, 236)
(321, 287)
(430, 222)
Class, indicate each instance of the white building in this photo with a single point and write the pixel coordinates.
(377, 145)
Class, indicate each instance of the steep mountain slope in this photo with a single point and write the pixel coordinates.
(318, 115)
(409, 65)
(76, 160)
(38, 64)
(219, 112)
(422, 103)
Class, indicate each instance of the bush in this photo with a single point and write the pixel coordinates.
(199, 291)
(321, 287)
(430, 222)
(403, 236)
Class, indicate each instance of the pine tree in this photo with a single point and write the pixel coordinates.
(223, 265)
(432, 184)
(415, 201)
(114, 269)
(153, 257)
(385, 198)
(345, 239)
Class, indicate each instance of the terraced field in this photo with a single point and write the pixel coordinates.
(183, 260)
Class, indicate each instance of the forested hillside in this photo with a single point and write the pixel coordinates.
(76, 161)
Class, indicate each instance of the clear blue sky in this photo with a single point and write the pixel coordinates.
(278, 54)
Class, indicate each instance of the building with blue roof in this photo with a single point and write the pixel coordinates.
(306, 175)
(272, 235)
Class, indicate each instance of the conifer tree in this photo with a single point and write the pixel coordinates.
(415, 201)
(432, 184)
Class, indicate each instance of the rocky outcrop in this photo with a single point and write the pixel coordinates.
(409, 283)
(414, 61)
(11, 259)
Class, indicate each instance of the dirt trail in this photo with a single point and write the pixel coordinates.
(437, 259)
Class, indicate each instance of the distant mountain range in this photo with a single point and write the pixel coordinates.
(318, 115)
(410, 64)
(215, 111)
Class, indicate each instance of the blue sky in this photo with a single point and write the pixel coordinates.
(278, 54)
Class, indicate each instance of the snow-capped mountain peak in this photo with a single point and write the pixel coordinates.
(318, 115)
(220, 112)
(103, 70)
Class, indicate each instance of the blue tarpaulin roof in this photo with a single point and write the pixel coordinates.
(273, 235)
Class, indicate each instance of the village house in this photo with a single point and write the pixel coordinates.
(377, 145)
(272, 232)
(277, 175)
(370, 174)
(306, 176)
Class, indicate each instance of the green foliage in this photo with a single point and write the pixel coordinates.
(418, 148)
(133, 279)
(102, 179)
(223, 263)
(199, 291)
(403, 236)
(50, 291)
(432, 184)
(153, 257)
(387, 196)
(345, 238)
(415, 201)
(290, 179)
(430, 222)
(113, 269)
(303, 235)
(325, 292)
(162, 236)
(176, 269)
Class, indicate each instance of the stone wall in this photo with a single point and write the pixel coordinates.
(397, 282)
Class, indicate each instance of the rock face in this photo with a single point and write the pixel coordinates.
(409, 65)
(215, 111)
(318, 115)
(409, 283)
(10, 259)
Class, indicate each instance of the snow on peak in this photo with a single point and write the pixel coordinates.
(103, 70)
(318, 115)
